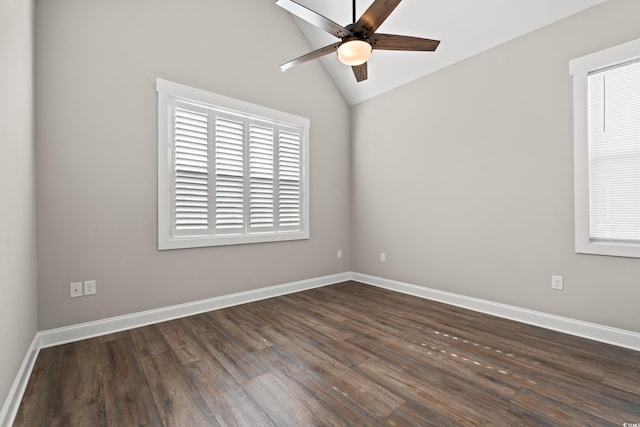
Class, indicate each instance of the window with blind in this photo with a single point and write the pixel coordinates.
(607, 151)
(229, 172)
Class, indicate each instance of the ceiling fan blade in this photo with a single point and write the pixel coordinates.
(311, 55)
(360, 71)
(373, 17)
(313, 18)
(397, 42)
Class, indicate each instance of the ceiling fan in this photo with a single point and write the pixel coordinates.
(358, 39)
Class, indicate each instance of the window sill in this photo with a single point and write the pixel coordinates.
(185, 242)
(628, 250)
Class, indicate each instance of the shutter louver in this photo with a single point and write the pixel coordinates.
(261, 177)
(191, 171)
(614, 154)
(229, 167)
(289, 173)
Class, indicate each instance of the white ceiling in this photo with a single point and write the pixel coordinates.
(465, 28)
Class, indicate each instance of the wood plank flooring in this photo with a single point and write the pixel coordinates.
(348, 354)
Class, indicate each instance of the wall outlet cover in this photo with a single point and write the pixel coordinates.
(75, 289)
(90, 287)
(557, 283)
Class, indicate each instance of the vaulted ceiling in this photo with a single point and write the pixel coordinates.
(465, 28)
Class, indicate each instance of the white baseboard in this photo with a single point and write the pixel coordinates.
(52, 337)
(592, 331)
(96, 328)
(11, 405)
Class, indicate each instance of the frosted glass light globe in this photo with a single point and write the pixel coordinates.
(354, 52)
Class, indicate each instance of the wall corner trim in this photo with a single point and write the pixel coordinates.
(592, 331)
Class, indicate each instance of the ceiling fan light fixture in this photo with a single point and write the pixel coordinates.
(358, 39)
(354, 52)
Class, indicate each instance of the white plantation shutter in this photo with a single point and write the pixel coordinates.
(289, 173)
(191, 185)
(229, 172)
(261, 177)
(614, 153)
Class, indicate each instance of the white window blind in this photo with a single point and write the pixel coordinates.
(614, 153)
(229, 172)
(606, 132)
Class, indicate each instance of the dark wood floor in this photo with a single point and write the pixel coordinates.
(347, 354)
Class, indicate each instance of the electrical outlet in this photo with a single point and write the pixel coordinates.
(339, 254)
(90, 287)
(75, 289)
(383, 257)
(557, 283)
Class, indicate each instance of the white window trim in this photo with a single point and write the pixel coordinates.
(580, 68)
(169, 90)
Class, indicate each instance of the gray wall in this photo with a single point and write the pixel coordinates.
(467, 183)
(472, 193)
(96, 147)
(18, 304)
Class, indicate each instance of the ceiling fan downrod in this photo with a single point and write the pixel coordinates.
(353, 15)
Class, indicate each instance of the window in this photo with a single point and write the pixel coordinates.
(229, 172)
(606, 87)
